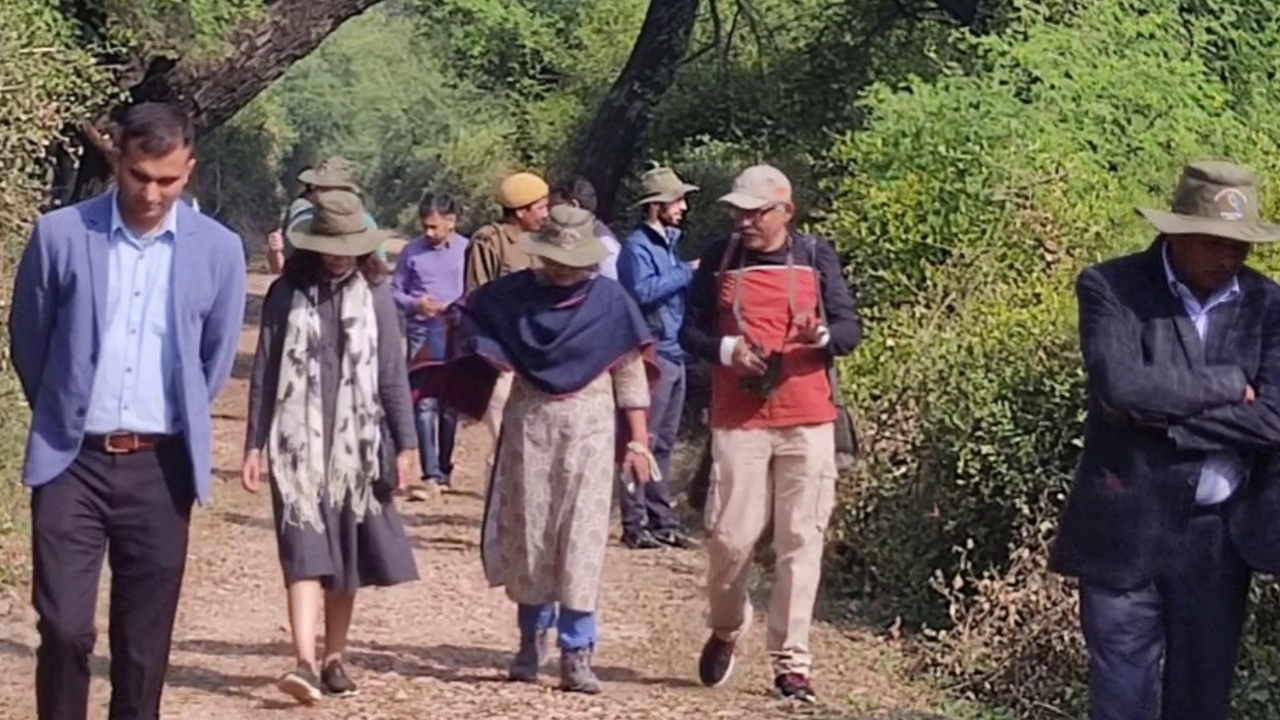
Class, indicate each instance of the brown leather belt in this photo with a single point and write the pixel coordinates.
(124, 443)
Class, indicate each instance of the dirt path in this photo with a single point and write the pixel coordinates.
(437, 648)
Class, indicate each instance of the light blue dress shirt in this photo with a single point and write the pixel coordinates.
(1223, 472)
(134, 388)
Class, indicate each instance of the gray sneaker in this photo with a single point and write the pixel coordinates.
(576, 674)
(527, 662)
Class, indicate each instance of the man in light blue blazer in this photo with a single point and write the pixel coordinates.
(124, 326)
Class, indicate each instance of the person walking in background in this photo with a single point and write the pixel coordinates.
(335, 173)
(1175, 498)
(651, 270)
(123, 328)
(427, 279)
(575, 343)
(497, 250)
(578, 191)
(756, 311)
(329, 405)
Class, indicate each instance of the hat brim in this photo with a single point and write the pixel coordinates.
(669, 196)
(361, 243)
(743, 201)
(589, 253)
(315, 179)
(1170, 223)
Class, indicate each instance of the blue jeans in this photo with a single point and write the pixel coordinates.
(649, 507)
(437, 427)
(576, 630)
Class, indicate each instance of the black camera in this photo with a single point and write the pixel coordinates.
(764, 384)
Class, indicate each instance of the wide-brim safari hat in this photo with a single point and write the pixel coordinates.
(1215, 198)
(568, 237)
(334, 173)
(337, 227)
(662, 185)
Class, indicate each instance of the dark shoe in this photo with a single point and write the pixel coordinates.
(791, 686)
(576, 674)
(643, 540)
(529, 659)
(675, 539)
(715, 665)
(301, 685)
(335, 680)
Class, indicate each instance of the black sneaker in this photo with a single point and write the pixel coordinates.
(301, 685)
(715, 664)
(642, 540)
(674, 538)
(335, 680)
(791, 686)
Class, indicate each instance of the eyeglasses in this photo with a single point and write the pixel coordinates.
(740, 215)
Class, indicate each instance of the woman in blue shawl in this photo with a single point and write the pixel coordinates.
(576, 344)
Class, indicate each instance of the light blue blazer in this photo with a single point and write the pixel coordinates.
(56, 324)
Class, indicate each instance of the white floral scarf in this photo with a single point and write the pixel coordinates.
(295, 444)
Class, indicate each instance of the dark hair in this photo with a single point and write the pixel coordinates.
(576, 188)
(440, 204)
(155, 128)
(304, 268)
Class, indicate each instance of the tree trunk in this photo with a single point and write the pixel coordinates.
(213, 91)
(609, 145)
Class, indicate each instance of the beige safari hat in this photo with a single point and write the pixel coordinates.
(337, 227)
(662, 185)
(568, 237)
(334, 172)
(1215, 198)
(758, 186)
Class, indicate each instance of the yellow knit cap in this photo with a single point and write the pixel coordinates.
(522, 190)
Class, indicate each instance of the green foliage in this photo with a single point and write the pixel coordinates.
(44, 82)
(966, 205)
(191, 29)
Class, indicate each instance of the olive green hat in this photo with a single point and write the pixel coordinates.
(662, 185)
(335, 172)
(1215, 198)
(568, 237)
(337, 227)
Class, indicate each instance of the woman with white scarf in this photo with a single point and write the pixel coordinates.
(330, 408)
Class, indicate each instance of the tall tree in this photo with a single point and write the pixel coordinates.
(260, 49)
(609, 143)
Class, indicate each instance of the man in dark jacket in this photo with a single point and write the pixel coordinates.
(1173, 504)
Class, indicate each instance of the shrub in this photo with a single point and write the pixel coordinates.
(966, 207)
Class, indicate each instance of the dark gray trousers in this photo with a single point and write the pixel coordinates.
(650, 506)
(133, 509)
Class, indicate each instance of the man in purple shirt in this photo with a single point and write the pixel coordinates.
(427, 278)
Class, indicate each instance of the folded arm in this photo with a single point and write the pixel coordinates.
(698, 334)
(32, 313)
(844, 328)
(1112, 349)
(1241, 426)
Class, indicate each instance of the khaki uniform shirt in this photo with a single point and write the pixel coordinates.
(494, 251)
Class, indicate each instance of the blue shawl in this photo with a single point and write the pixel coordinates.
(558, 339)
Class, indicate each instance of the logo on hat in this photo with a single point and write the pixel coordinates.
(1230, 202)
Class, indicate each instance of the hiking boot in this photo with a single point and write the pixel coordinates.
(715, 664)
(529, 659)
(640, 540)
(793, 686)
(576, 674)
(302, 685)
(675, 538)
(335, 680)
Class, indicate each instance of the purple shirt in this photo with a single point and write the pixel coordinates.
(423, 269)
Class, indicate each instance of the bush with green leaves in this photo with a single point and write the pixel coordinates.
(966, 207)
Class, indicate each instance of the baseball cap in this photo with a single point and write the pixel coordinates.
(759, 186)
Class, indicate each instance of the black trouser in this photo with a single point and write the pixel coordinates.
(1168, 649)
(134, 508)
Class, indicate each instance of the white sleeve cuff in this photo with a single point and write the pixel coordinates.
(727, 344)
(824, 337)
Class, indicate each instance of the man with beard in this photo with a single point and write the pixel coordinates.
(651, 270)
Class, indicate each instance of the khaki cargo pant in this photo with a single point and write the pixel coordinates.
(493, 418)
(789, 474)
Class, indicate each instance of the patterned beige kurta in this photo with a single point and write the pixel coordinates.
(546, 523)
